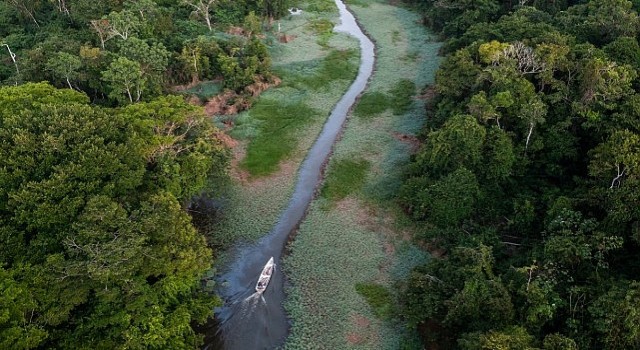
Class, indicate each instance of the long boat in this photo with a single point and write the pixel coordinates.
(265, 276)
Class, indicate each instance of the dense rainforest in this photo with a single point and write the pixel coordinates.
(102, 166)
(527, 182)
(121, 51)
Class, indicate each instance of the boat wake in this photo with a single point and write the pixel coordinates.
(246, 306)
(255, 296)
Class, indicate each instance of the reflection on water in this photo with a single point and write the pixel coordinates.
(248, 321)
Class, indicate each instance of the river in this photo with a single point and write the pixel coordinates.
(248, 321)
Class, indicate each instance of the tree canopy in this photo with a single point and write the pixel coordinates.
(98, 251)
(527, 178)
(121, 52)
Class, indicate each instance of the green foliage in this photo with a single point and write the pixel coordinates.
(323, 28)
(593, 21)
(557, 342)
(91, 222)
(274, 8)
(321, 6)
(459, 143)
(371, 103)
(507, 339)
(277, 137)
(244, 63)
(617, 317)
(65, 66)
(402, 96)
(538, 144)
(16, 330)
(378, 298)
(624, 50)
(126, 79)
(153, 34)
(344, 177)
(338, 65)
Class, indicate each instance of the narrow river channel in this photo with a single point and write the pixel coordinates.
(247, 321)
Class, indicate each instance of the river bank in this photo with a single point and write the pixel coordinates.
(354, 231)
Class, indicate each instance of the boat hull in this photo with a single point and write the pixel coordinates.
(265, 276)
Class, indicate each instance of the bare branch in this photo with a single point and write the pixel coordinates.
(526, 60)
(616, 180)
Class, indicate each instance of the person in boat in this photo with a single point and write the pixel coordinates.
(263, 282)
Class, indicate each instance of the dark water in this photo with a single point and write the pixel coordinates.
(247, 321)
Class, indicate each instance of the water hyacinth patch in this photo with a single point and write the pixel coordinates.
(340, 317)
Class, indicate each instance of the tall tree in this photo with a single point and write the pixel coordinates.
(202, 9)
(65, 66)
(125, 77)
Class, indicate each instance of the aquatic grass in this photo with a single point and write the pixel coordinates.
(321, 6)
(362, 3)
(245, 127)
(371, 103)
(323, 302)
(247, 215)
(276, 137)
(345, 176)
(378, 297)
(323, 29)
(413, 41)
(402, 96)
(317, 75)
(395, 36)
(338, 65)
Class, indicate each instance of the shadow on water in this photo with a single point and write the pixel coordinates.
(248, 321)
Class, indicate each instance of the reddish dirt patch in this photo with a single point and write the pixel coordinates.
(194, 100)
(428, 93)
(411, 140)
(389, 249)
(434, 248)
(230, 103)
(259, 86)
(361, 321)
(285, 39)
(227, 140)
(226, 103)
(235, 30)
(362, 327)
(354, 339)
